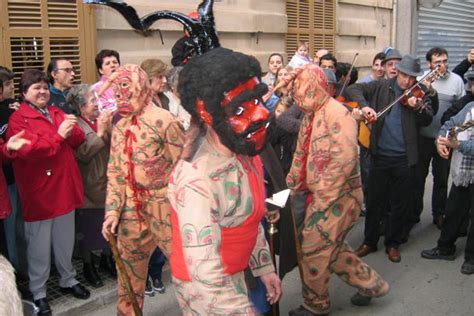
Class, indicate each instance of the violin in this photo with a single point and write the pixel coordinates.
(416, 92)
(410, 92)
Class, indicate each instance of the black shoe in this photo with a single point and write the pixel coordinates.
(159, 286)
(436, 253)
(468, 267)
(438, 220)
(360, 300)
(149, 288)
(90, 274)
(78, 291)
(44, 308)
(107, 264)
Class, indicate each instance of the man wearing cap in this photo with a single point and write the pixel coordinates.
(394, 151)
(450, 88)
(392, 58)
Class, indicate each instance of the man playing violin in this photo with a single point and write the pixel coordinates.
(393, 149)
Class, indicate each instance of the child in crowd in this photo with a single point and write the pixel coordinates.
(301, 57)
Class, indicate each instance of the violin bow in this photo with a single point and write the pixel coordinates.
(348, 76)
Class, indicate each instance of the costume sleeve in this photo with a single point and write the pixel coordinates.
(93, 144)
(260, 260)
(198, 218)
(115, 199)
(42, 146)
(174, 137)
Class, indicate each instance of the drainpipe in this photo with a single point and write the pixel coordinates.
(393, 39)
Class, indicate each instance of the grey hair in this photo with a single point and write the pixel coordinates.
(77, 97)
(173, 76)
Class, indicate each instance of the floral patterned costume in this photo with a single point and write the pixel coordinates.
(325, 165)
(146, 144)
(216, 238)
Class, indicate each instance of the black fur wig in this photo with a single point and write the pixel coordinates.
(208, 77)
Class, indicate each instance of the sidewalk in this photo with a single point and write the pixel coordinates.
(67, 305)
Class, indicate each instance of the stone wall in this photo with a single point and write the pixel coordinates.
(255, 27)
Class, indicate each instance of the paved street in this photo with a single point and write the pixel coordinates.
(418, 286)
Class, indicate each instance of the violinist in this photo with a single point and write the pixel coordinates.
(393, 149)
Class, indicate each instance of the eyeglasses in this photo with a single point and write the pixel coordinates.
(68, 70)
(439, 62)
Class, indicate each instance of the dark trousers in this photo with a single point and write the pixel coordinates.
(364, 159)
(460, 204)
(155, 266)
(440, 170)
(3, 241)
(390, 180)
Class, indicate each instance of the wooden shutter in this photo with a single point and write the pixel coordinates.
(312, 21)
(36, 31)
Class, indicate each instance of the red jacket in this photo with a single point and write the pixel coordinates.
(46, 171)
(5, 206)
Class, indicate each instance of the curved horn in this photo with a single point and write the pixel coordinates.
(128, 12)
(206, 13)
(151, 18)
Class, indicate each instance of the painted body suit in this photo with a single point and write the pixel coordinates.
(326, 165)
(146, 144)
(217, 205)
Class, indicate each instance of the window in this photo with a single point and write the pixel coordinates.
(312, 21)
(35, 31)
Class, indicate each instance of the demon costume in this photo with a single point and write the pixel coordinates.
(217, 199)
(146, 143)
(325, 169)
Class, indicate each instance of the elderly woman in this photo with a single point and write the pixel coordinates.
(92, 157)
(157, 72)
(49, 184)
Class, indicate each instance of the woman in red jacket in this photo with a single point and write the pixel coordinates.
(49, 184)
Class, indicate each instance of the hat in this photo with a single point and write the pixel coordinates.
(469, 75)
(331, 76)
(392, 54)
(410, 65)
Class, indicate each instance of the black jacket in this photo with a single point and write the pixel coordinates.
(462, 68)
(457, 107)
(380, 93)
(5, 113)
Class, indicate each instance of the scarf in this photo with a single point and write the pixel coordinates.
(462, 166)
(309, 88)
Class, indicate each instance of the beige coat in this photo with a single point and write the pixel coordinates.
(92, 157)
